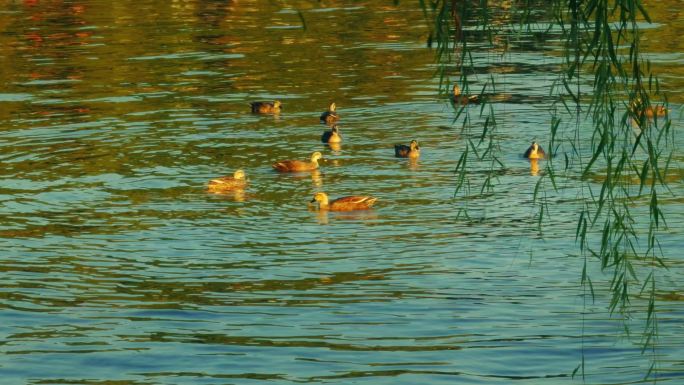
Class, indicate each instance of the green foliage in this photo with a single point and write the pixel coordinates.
(632, 139)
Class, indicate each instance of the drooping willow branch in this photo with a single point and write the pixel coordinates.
(631, 145)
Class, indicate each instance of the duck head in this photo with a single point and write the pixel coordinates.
(321, 198)
(316, 156)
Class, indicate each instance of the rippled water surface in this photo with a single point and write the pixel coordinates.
(118, 267)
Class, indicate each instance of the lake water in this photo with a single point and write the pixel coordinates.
(119, 268)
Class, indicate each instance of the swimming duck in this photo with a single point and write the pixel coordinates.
(535, 152)
(404, 151)
(228, 183)
(349, 203)
(332, 136)
(650, 111)
(298, 165)
(658, 110)
(330, 116)
(266, 107)
(457, 98)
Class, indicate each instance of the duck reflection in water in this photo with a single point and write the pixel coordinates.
(238, 195)
(335, 147)
(315, 175)
(534, 167)
(317, 178)
(323, 216)
(413, 164)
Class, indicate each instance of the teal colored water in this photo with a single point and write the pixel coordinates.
(118, 267)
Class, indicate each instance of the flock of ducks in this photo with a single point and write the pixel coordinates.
(238, 182)
(330, 117)
(534, 152)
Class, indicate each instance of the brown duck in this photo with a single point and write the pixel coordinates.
(266, 107)
(458, 98)
(348, 203)
(535, 152)
(330, 116)
(404, 151)
(650, 111)
(332, 136)
(298, 165)
(228, 183)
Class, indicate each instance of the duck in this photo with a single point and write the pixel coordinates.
(228, 183)
(535, 152)
(658, 110)
(348, 203)
(332, 136)
(330, 116)
(266, 107)
(298, 165)
(457, 98)
(404, 151)
(650, 111)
